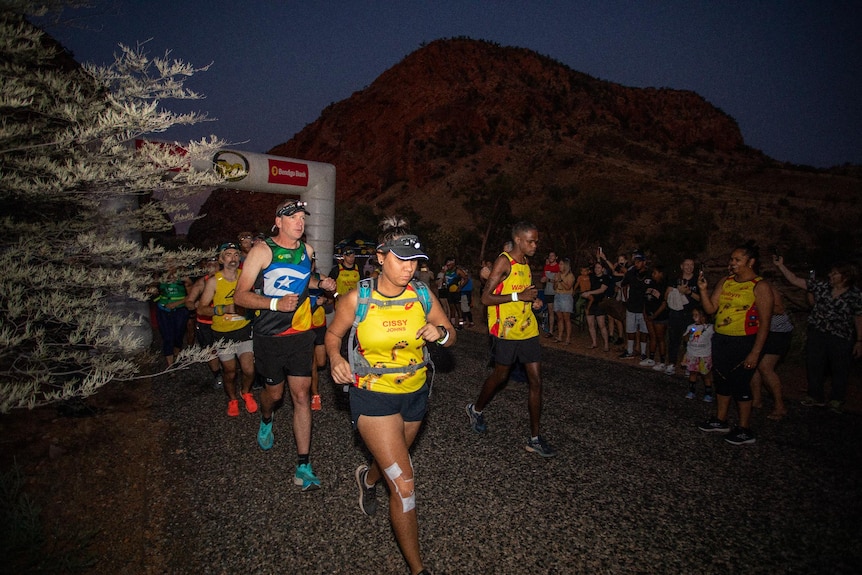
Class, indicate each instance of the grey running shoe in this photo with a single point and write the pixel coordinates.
(367, 495)
(540, 447)
(477, 420)
(740, 436)
(714, 425)
(809, 401)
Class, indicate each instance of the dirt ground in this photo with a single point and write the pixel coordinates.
(79, 467)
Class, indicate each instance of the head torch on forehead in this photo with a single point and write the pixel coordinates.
(292, 208)
(405, 247)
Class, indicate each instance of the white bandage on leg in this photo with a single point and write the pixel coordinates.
(402, 486)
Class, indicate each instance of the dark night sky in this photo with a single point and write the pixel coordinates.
(789, 72)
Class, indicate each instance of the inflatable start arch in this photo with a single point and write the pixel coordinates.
(312, 182)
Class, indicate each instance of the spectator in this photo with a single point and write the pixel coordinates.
(549, 273)
(742, 305)
(600, 288)
(655, 314)
(777, 345)
(634, 286)
(834, 334)
(682, 297)
(698, 354)
(564, 282)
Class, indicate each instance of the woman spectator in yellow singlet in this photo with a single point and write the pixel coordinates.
(742, 305)
(387, 407)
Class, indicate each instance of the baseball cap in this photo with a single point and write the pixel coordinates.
(639, 256)
(404, 247)
(291, 208)
(228, 246)
(348, 252)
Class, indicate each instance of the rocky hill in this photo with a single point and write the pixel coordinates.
(471, 136)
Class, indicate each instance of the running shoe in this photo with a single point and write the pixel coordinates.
(306, 478)
(647, 362)
(218, 381)
(540, 447)
(477, 420)
(627, 355)
(250, 403)
(265, 438)
(670, 369)
(809, 401)
(689, 395)
(315, 403)
(707, 398)
(714, 425)
(658, 367)
(367, 495)
(740, 436)
(233, 407)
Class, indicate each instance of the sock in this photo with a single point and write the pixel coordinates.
(691, 386)
(708, 391)
(652, 356)
(630, 346)
(303, 459)
(535, 438)
(643, 348)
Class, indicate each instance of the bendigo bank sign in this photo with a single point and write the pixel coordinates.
(290, 173)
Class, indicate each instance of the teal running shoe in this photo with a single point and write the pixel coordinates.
(306, 478)
(264, 436)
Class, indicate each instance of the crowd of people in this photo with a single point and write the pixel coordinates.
(279, 320)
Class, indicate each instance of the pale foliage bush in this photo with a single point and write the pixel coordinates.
(75, 193)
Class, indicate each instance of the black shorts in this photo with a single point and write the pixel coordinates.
(276, 358)
(508, 351)
(319, 335)
(548, 298)
(730, 376)
(777, 343)
(411, 406)
(204, 334)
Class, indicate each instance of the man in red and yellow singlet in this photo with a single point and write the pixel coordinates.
(230, 325)
(511, 298)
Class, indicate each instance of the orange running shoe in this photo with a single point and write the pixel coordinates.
(315, 403)
(250, 403)
(233, 407)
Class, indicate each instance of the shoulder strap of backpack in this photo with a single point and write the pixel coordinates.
(421, 289)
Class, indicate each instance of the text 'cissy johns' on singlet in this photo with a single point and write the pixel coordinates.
(737, 313)
(288, 273)
(513, 320)
(224, 296)
(387, 338)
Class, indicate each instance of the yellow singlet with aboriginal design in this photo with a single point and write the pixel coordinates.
(224, 296)
(513, 320)
(387, 338)
(737, 313)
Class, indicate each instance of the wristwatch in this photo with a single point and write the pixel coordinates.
(445, 338)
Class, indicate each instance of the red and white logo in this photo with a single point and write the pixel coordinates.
(290, 173)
